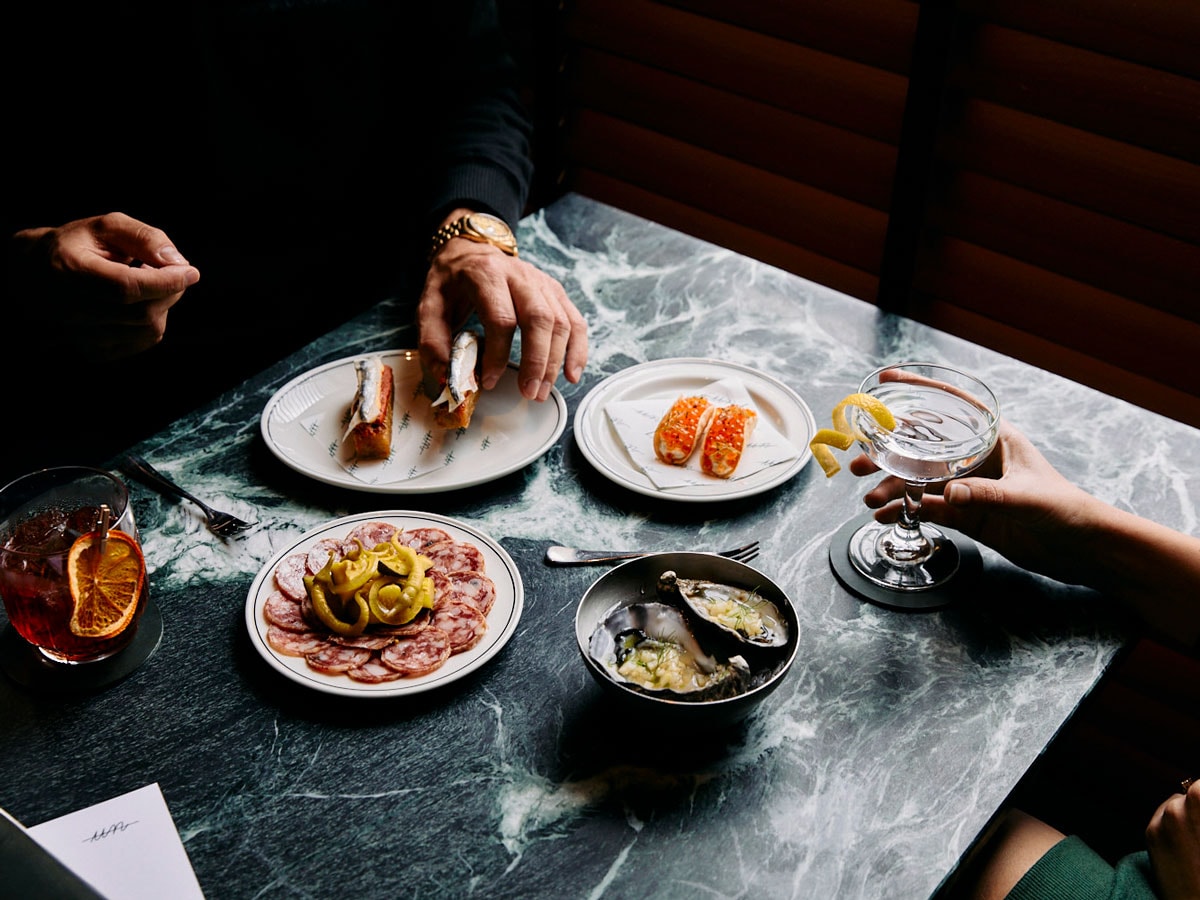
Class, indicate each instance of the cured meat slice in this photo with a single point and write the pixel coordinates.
(286, 613)
(370, 640)
(455, 556)
(320, 553)
(462, 621)
(371, 534)
(334, 659)
(420, 538)
(373, 671)
(295, 643)
(463, 597)
(473, 586)
(289, 576)
(419, 623)
(418, 655)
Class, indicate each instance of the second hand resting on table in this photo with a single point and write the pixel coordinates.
(1020, 506)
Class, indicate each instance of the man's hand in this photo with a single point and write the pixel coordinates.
(102, 285)
(506, 293)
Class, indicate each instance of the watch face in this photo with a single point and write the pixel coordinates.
(492, 228)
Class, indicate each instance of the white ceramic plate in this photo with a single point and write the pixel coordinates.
(512, 431)
(668, 379)
(502, 619)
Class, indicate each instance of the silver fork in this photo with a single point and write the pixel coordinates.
(222, 524)
(569, 556)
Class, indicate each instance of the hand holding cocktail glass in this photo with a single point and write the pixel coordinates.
(925, 424)
(72, 573)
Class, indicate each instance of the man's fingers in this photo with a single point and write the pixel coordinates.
(497, 344)
(577, 344)
(137, 240)
(507, 295)
(140, 284)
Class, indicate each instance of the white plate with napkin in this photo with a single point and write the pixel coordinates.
(614, 427)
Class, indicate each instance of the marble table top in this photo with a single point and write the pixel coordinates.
(868, 773)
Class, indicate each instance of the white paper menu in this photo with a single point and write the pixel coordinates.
(127, 848)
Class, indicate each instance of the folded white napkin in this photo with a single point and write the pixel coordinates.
(418, 445)
(635, 421)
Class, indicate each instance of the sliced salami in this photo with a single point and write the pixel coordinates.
(463, 597)
(295, 643)
(473, 586)
(368, 640)
(289, 576)
(462, 621)
(418, 655)
(373, 671)
(320, 553)
(285, 613)
(420, 538)
(419, 623)
(333, 659)
(371, 534)
(455, 556)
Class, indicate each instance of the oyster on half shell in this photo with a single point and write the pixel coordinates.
(649, 647)
(747, 616)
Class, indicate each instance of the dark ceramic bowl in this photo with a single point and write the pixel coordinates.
(635, 582)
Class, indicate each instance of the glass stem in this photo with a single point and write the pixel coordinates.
(904, 544)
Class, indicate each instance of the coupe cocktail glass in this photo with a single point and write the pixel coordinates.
(946, 425)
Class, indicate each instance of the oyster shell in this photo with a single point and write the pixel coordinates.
(649, 647)
(745, 615)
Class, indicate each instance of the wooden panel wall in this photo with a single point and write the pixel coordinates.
(1063, 224)
(1025, 173)
(756, 126)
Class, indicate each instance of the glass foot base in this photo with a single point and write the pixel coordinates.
(28, 667)
(961, 559)
(867, 555)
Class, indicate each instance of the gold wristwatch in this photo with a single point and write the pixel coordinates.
(478, 227)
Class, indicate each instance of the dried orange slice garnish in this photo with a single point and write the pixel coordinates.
(106, 580)
(842, 434)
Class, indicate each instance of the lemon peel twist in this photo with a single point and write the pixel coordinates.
(843, 434)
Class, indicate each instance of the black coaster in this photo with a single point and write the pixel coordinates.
(23, 663)
(969, 566)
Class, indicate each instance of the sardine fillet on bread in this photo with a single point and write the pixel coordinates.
(370, 426)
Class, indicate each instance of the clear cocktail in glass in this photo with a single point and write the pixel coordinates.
(946, 425)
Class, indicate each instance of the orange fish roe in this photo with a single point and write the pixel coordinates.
(726, 439)
(676, 435)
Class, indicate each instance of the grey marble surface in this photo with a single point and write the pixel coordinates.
(868, 773)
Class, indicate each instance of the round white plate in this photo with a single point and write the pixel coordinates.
(524, 429)
(667, 379)
(502, 619)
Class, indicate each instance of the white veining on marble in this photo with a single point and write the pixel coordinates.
(866, 774)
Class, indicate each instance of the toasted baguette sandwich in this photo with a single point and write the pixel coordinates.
(680, 429)
(370, 426)
(455, 405)
(725, 440)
